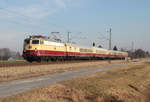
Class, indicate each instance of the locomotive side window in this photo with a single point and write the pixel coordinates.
(35, 41)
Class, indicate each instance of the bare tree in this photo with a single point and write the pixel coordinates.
(5, 54)
(93, 44)
(123, 50)
(139, 53)
(115, 48)
(147, 54)
(100, 46)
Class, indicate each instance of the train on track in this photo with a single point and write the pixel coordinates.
(40, 48)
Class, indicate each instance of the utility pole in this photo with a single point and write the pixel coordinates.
(68, 37)
(132, 50)
(110, 34)
(132, 47)
(109, 60)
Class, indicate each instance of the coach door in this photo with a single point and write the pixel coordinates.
(66, 51)
(75, 50)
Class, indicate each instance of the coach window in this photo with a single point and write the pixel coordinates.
(70, 48)
(75, 49)
(35, 41)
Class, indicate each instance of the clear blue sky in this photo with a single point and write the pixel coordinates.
(88, 20)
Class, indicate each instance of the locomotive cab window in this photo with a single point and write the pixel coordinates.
(27, 41)
(35, 41)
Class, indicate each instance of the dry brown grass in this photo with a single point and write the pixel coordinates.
(126, 84)
(15, 73)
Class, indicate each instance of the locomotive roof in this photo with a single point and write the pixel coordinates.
(39, 37)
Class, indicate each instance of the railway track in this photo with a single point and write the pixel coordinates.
(16, 64)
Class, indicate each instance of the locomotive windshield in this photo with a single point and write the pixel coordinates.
(35, 41)
(26, 41)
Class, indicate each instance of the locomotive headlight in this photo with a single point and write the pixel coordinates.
(30, 47)
(24, 50)
(36, 48)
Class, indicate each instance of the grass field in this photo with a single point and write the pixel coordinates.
(126, 84)
(20, 72)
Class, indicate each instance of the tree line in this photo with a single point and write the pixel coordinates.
(138, 53)
(6, 54)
